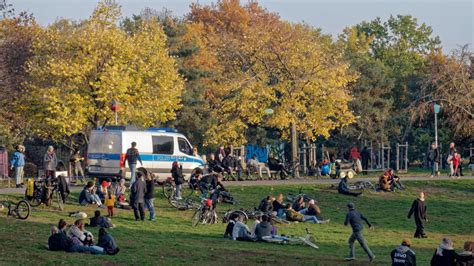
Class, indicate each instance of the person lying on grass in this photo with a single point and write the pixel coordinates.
(292, 215)
(312, 210)
(240, 231)
(60, 241)
(81, 237)
(100, 221)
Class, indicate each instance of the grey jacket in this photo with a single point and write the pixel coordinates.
(138, 192)
(50, 161)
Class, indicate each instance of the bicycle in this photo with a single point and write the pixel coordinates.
(308, 239)
(293, 197)
(169, 188)
(205, 214)
(363, 185)
(44, 193)
(22, 209)
(251, 215)
(184, 204)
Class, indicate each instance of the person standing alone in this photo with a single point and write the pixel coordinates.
(17, 163)
(76, 159)
(365, 154)
(418, 209)
(433, 156)
(355, 218)
(132, 156)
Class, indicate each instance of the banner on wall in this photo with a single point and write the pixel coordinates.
(261, 152)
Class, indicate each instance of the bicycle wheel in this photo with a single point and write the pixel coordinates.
(59, 199)
(23, 209)
(241, 214)
(308, 242)
(368, 185)
(197, 217)
(187, 190)
(35, 201)
(168, 189)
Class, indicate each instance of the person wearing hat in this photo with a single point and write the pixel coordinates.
(418, 209)
(403, 255)
(17, 163)
(355, 218)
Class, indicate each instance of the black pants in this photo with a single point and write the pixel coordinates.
(419, 228)
(365, 166)
(138, 207)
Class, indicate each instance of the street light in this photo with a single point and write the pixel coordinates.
(435, 108)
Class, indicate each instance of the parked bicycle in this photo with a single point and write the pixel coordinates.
(188, 188)
(20, 210)
(45, 192)
(205, 214)
(363, 185)
(250, 215)
(291, 197)
(308, 239)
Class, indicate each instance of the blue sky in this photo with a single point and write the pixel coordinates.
(451, 20)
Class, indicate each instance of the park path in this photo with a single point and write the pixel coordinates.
(292, 181)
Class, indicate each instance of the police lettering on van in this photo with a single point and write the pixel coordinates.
(158, 147)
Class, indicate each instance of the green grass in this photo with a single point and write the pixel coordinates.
(172, 240)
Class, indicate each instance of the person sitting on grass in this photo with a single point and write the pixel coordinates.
(298, 205)
(403, 255)
(256, 222)
(278, 207)
(240, 231)
(264, 228)
(394, 181)
(445, 254)
(266, 205)
(467, 258)
(121, 195)
(61, 241)
(100, 221)
(292, 215)
(88, 196)
(230, 226)
(313, 209)
(107, 242)
(384, 184)
(343, 188)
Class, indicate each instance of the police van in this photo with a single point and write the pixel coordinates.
(158, 148)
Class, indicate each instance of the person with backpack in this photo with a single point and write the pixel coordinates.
(149, 196)
(132, 156)
(177, 174)
(17, 163)
(403, 255)
(355, 218)
(137, 197)
(418, 210)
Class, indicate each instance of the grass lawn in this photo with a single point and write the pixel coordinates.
(172, 240)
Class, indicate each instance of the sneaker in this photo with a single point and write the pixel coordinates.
(178, 198)
(152, 219)
(371, 259)
(349, 258)
(431, 176)
(324, 221)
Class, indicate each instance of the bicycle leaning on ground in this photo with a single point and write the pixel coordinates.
(45, 192)
(308, 239)
(20, 210)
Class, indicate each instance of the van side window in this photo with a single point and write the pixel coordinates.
(184, 147)
(162, 145)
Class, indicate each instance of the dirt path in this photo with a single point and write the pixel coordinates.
(302, 181)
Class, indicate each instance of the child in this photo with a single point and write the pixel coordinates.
(456, 160)
(110, 203)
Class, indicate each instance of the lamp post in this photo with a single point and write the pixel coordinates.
(115, 106)
(435, 108)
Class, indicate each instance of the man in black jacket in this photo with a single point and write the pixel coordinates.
(365, 154)
(403, 255)
(137, 197)
(132, 156)
(418, 209)
(355, 218)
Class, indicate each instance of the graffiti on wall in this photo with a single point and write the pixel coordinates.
(260, 152)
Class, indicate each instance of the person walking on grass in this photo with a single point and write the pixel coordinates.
(403, 255)
(355, 218)
(418, 209)
(137, 198)
(17, 163)
(149, 197)
(132, 156)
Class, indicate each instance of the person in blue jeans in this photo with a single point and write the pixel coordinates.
(17, 163)
(132, 157)
(149, 197)
(355, 218)
(88, 196)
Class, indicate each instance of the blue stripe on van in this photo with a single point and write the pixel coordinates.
(146, 157)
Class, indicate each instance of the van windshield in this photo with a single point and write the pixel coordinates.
(104, 143)
(184, 146)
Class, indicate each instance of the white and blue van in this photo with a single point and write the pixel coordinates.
(158, 148)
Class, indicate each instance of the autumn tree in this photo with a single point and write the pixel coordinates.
(16, 36)
(263, 63)
(78, 69)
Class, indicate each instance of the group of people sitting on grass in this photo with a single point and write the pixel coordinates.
(75, 238)
(389, 181)
(237, 230)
